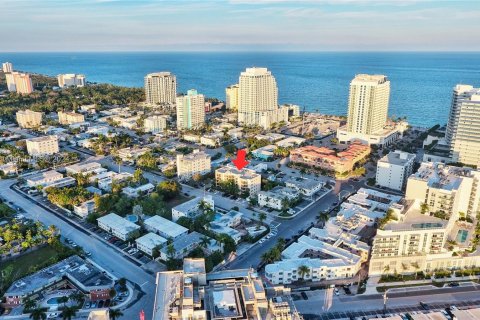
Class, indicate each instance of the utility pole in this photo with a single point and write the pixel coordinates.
(385, 298)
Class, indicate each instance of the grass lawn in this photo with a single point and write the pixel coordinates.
(176, 201)
(26, 264)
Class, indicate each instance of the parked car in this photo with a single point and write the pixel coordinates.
(454, 284)
(53, 315)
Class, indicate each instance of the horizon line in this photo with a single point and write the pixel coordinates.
(244, 51)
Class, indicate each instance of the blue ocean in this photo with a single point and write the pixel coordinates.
(421, 83)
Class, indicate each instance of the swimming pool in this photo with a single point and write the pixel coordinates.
(462, 236)
(53, 301)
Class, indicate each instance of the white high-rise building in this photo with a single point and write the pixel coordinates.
(7, 67)
(41, 146)
(258, 99)
(232, 95)
(190, 110)
(193, 163)
(394, 169)
(160, 88)
(29, 119)
(155, 124)
(19, 82)
(464, 125)
(71, 80)
(368, 103)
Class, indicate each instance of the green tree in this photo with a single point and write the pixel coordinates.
(303, 271)
(63, 300)
(38, 314)
(115, 314)
(169, 189)
(69, 312)
(122, 282)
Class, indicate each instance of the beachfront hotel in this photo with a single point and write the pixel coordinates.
(29, 119)
(367, 119)
(464, 125)
(160, 88)
(258, 99)
(7, 67)
(245, 179)
(42, 146)
(71, 80)
(190, 110)
(197, 162)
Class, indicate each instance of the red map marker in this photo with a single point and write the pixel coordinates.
(240, 161)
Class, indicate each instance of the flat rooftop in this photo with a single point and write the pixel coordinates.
(165, 226)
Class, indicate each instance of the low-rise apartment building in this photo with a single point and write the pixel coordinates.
(394, 169)
(92, 168)
(306, 186)
(191, 164)
(42, 146)
(328, 159)
(246, 180)
(29, 119)
(155, 124)
(164, 227)
(43, 178)
(66, 117)
(132, 153)
(190, 209)
(149, 242)
(135, 192)
(84, 209)
(118, 226)
(277, 198)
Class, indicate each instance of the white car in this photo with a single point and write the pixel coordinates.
(53, 315)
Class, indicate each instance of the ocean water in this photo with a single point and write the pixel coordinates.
(421, 83)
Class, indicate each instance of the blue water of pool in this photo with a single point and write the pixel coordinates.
(462, 236)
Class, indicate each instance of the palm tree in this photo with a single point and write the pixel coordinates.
(170, 251)
(303, 271)
(386, 269)
(29, 304)
(204, 242)
(404, 268)
(261, 217)
(38, 314)
(77, 297)
(63, 300)
(69, 312)
(416, 267)
(115, 313)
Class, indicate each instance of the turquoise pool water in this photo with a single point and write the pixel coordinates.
(462, 236)
(53, 301)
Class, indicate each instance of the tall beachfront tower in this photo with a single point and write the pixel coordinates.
(190, 110)
(368, 103)
(464, 125)
(258, 92)
(160, 88)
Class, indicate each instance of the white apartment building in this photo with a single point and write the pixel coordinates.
(161, 88)
(164, 227)
(19, 82)
(245, 179)
(394, 169)
(71, 80)
(84, 209)
(190, 110)
(118, 226)
(29, 119)
(7, 67)
(135, 192)
(212, 140)
(41, 146)
(190, 209)
(306, 186)
(258, 99)
(66, 117)
(93, 168)
(197, 162)
(232, 97)
(277, 197)
(446, 188)
(105, 183)
(155, 124)
(132, 153)
(43, 178)
(326, 257)
(149, 242)
(464, 125)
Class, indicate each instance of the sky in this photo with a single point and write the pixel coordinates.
(239, 25)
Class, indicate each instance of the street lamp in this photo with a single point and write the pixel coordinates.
(385, 298)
